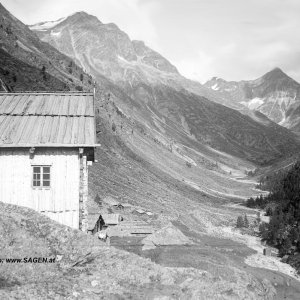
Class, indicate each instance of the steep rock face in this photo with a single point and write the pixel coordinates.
(219, 127)
(161, 93)
(152, 58)
(275, 94)
(104, 48)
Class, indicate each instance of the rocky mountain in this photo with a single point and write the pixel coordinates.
(105, 49)
(161, 93)
(150, 109)
(165, 148)
(112, 53)
(275, 94)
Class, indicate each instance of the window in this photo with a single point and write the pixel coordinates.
(41, 176)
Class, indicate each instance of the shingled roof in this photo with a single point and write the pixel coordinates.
(47, 120)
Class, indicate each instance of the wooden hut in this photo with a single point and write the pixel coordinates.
(47, 141)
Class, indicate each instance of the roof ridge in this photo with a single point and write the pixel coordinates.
(46, 115)
(50, 93)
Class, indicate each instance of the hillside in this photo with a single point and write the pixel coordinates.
(27, 63)
(164, 148)
(20, 76)
(87, 269)
(170, 106)
(112, 54)
(275, 94)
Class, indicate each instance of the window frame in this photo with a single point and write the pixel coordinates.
(42, 173)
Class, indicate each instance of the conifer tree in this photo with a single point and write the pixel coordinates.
(246, 222)
(240, 222)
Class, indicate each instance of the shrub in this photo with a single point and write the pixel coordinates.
(258, 202)
(8, 30)
(98, 200)
(258, 218)
(240, 222)
(269, 211)
(188, 164)
(285, 247)
(250, 202)
(263, 230)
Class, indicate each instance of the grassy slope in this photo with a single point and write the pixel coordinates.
(24, 55)
(138, 169)
(90, 270)
(135, 171)
(20, 76)
(223, 128)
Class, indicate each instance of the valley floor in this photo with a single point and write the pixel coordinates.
(227, 254)
(232, 263)
(218, 264)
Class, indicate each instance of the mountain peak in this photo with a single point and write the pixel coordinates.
(79, 13)
(82, 16)
(275, 74)
(276, 69)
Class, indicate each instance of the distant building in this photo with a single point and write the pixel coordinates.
(47, 141)
(111, 219)
(267, 251)
(110, 201)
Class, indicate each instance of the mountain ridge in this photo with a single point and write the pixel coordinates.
(275, 94)
(153, 83)
(43, 66)
(171, 152)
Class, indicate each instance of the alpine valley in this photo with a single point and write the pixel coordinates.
(188, 153)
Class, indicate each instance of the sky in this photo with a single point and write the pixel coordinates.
(231, 39)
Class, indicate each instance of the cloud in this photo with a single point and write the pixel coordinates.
(232, 39)
(135, 17)
(199, 67)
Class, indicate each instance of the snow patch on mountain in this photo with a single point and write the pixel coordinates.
(122, 59)
(215, 87)
(253, 103)
(43, 26)
(57, 33)
(46, 25)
